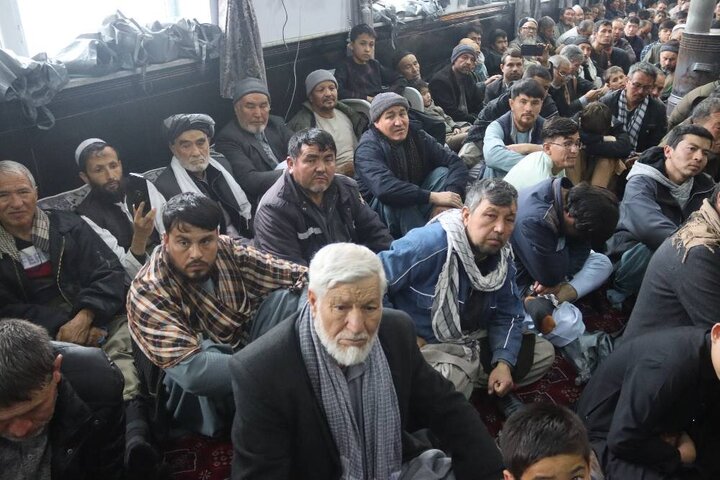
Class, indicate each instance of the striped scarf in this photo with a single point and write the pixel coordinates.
(40, 236)
(445, 312)
(635, 120)
(382, 444)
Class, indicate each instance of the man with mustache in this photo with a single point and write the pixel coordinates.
(310, 207)
(323, 110)
(122, 210)
(454, 87)
(516, 133)
(193, 169)
(61, 411)
(405, 175)
(337, 390)
(201, 297)
(665, 186)
(456, 279)
(643, 117)
(57, 273)
(254, 142)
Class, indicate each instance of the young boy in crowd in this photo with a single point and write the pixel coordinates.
(614, 78)
(544, 440)
(455, 132)
(361, 76)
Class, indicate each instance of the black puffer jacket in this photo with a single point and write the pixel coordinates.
(86, 271)
(87, 431)
(289, 225)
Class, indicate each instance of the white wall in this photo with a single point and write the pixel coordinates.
(306, 18)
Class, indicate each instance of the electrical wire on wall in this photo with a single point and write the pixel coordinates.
(297, 54)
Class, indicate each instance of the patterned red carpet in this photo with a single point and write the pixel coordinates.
(201, 458)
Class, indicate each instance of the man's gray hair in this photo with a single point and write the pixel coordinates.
(8, 167)
(498, 192)
(705, 109)
(26, 360)
(573, 53)
(643, 67)
(558, 61)
(586, 26)
(344, 263)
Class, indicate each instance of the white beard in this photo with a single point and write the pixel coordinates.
(344, 356)
(195, 167)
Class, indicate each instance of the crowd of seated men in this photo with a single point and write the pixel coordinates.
(330, 292)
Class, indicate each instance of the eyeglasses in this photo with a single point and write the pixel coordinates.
(532, 29)
(640, 86)
(568, 145)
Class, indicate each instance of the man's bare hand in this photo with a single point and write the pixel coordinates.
(686, 447)
(446, 199)
(77, 330)
(96, 336)
(500, 381)
(492, 79)
(593, 95)
(143, 226)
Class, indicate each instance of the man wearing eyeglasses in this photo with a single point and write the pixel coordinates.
(560, 148)
(255, 142)
(569, 92)
(642, 116)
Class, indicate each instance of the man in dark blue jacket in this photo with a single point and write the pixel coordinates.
(557, 225)
(310, 207)
(456, 279)
(405, 174)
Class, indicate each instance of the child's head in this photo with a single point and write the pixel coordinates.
(362, 43)
(596, 118)
(614, 78)
(545, 441)
(422, 86)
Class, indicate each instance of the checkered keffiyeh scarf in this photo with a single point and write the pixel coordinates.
(445, 312)
(40, 237)
(380, 410)
(168, 316)
(636, 119)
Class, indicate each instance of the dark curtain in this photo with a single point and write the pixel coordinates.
(241, 55)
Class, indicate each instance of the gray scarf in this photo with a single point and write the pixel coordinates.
(636, 121)
(681, 193)
(40, 236)
(381, 415)
(445, 313)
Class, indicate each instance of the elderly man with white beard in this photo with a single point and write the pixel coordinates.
(336, 390)
(193, 169)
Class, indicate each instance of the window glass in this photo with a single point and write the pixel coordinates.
(50, 25)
